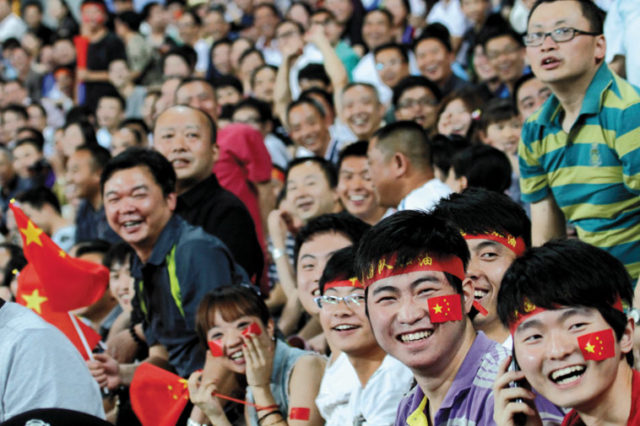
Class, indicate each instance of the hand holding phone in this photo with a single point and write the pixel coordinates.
(513, 398)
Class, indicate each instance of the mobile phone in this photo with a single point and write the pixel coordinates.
(520, 419)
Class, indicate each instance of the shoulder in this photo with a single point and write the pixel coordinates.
(195, 241)
(490, 362)
(409, 403)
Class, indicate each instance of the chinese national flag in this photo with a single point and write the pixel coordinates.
(299, 413)
(597, 346)
(445, 308)
(70, 283)
(32, 295)
(158, 397)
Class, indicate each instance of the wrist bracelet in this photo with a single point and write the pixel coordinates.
(194, 423)
(134, 335)
(260, 419)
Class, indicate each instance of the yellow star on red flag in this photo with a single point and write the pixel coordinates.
(32, 234)
(34, 301)
(437, 309)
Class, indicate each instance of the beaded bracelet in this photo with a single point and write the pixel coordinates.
(260, 419)
(134, 335)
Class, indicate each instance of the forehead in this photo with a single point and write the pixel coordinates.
(353, 162)
(503, 40)
(530, 86)
(430, 44)
(390, 52)
(324, 243)
(556, 13)
(79, 158)
(405, 282)
(286, 26)
(195, 87)
(246, 111)
(301, 111)
(555, 317)
(416, 92)
(359, 92)
(305, 170)
(127, 179)
(179, 117)
(376, 17)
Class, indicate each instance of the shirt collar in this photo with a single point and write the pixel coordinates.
(165, 241)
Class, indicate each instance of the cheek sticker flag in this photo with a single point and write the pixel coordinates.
(597, 346)
(215, 346)
(445, 308)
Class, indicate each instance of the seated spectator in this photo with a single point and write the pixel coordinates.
(505, 51)
(475, 12)
(26, 154)
(401, 168)
(109, 112)
(228, 90)
(458, 113)
(10, 183)
(392, 64)
(412, 265)
(14, 116)
(402, 29)
(355, 185)
(125, 137)
(236, 325)
(138, 51)
(122, 79)
(309, 130)
(248, 62)
(572, 339)
(43, 208)
(480, 166)
(444, 150)
(189, 30)
(529, 94)
(220, 59)
(263, 81)
(300, 12)
(435, 58)
(382, 379)
(361, 110)
(416, 98)
(179, 62)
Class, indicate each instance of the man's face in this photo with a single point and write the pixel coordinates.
(93, 15)
(504, 135)
(250, 117)
(555, 62)
(187, 29)
(506, 57)
(265, 22)
(199, 95)
(312, 258)
(119, 73)
(487, 265)
(391, 66)
(346, 327)
(399, 315)
(475, 10)
(376, 30)
(82, 180)
(289, 38)
(221, 58)
(355, 187)
(227, 95)
(331, 28)
(36, 118)
(531, 95)
(362, 111)
(183, 136)
(308, 129)
(24, 156)
(547, 350)
(308, 191)
(386, 190)
(135, 206)
(418, 104)
(32, 16)
(434, 60)
(263, 84)
(20, 60)
(109, 112)
(14, 93)
(122, 139)
(215, 25)
(64, 52)
(11, 123)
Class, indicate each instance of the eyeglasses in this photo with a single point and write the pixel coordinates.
(392, 63)
(559, 35)
(495, 54)
(423, 102)
(352, 300)
(287, 34)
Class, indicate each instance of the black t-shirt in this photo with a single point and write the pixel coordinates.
(99, 55)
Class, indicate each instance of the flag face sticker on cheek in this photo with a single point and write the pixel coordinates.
(215, 346)
(597, 346)
(253, 328)
(445, 308)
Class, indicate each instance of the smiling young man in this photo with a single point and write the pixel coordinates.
(564, 304)
(584, 137)
(497, 231)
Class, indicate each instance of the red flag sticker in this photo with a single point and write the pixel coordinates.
(597, 346)
(215, 346)
(253, 328)
(481, 309)
(299, 413)
(445, 308)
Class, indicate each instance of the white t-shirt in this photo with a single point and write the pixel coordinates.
(450, 15)
(377, 403)
(338, 383)
(425, 197)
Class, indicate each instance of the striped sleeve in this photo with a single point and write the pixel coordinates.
(534, 185)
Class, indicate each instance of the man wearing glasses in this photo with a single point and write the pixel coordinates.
(579, 154)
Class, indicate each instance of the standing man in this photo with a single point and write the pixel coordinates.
(401, 168)
(186, 137)
(175, 265)
(579, 152)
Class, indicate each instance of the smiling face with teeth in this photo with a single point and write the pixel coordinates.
(547, 350)
(355, 189)
(399, 316)
(361, 110)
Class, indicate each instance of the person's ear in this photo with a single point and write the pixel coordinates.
(271, 329)
(467, 295)
(400, 164)
(600, 49)
(172, 200)
(215, 151)
(464, 183)
(626, 342)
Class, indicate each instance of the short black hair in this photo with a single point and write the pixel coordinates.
(484, 167)
(227, 81)
(87, 130)
(590, 11)
(409, 234)
(393, 46)
(382, 10)
(38, 197)
(29, 141)
(517, 85)
(100, 156)
(444, 148)
(113, 93)
(130, 19)
(250, 51)
(28, 3)
(364, 84)
(314, 72)
(320, 92)
(118, 253)
(146, 10)
(567, 273)
(160, 168)
(438, 32)
(91, 246)
(480, 211)
(489, 32)
(186, 52)
(356, 149)
(340, 223)
(16, 109)
(407, 137)
(411, 82)
(327, 168)
(34, 134)
(260, 68)
(135, 122)
(263, 108)
(340, 266)
(16, 262)
(496, 110)
(270, 6)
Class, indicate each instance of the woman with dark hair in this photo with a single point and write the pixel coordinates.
(459, 111)
(281, 381)
(349, 14)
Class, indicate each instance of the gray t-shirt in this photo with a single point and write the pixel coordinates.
(40, 367)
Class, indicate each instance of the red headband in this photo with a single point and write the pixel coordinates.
(351, 282)
(386, 267)
(530, 309)
(514, 244)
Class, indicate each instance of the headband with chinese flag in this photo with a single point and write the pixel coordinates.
(529, 309)
(351, 282)
(514, 244)
(388, 267)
